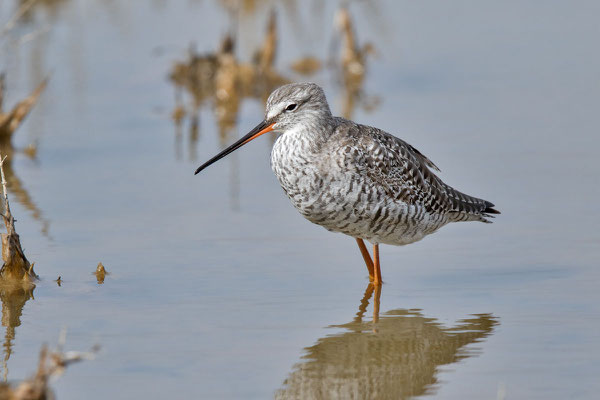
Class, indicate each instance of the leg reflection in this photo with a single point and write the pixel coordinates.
(376, 304)
(364, 303)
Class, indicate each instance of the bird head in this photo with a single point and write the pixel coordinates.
(287, 107)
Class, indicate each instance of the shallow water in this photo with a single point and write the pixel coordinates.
(219, 289)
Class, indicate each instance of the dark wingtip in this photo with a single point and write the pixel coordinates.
(489, 208)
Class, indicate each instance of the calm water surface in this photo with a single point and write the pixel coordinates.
(218, 288)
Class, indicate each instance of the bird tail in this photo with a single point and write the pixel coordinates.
(469, 208)
(487, 212)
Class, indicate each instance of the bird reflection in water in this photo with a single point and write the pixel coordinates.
(395, 355)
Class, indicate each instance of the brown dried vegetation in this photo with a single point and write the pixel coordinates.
(16, 267)
(51, 364)
(222, 79)
(100, 273)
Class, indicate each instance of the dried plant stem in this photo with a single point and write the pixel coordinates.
(8, 218)
(51, 365)
(4, 190)
(16, 266)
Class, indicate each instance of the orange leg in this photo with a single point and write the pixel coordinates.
(377, 280)
(367, 258)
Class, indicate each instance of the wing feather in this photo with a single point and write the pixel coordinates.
(404, 173)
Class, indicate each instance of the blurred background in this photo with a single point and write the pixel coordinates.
(216, 286)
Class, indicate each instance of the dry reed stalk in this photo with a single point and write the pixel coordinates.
(16, 267)
(51, 365)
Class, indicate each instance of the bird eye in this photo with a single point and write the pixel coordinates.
(291, 107)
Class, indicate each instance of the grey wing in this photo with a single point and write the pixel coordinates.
(405, 174)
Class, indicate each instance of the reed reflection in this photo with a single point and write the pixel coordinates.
(220, 80)
(51, 7)
(395, 355)
(353, 67)
(9, 122)
(13, 295)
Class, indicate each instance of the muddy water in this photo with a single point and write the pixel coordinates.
(217, 288)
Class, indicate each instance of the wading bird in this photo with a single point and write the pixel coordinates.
(355, 179)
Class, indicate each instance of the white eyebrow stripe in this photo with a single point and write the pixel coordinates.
(275, 111)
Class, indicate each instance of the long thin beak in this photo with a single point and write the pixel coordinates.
(260, 129)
